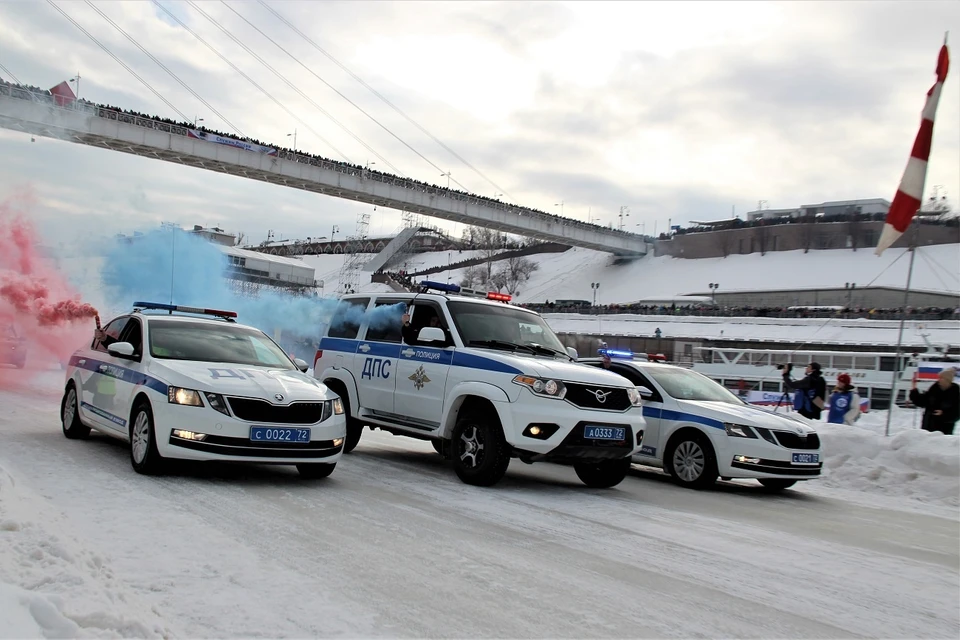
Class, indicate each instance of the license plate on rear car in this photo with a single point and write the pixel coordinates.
(279, 434)
(806, 458)
(592, 432)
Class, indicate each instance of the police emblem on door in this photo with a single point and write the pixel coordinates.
(419, 378)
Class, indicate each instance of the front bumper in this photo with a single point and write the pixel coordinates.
(228, 439)
(567, 444)
(760, 459)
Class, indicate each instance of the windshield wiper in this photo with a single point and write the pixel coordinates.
(542, 349)
(502, 344)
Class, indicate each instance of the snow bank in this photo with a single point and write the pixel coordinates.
(51, 587)
(910, 463)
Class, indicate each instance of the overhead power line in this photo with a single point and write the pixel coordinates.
(165, 68)
(334, 89)
(10, 73)
(118, 60)
(251, 80)
(291, 85)
(390, 104)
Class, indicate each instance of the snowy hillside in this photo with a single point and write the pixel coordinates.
(568, 275)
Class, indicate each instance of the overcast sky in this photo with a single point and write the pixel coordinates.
(677, 110)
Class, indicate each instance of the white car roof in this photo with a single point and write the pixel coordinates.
(148, 317)
(437, 297)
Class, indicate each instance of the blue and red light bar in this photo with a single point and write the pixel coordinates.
(159, 306)
(616, 353)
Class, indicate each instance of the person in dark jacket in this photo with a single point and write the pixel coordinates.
(810, 392)
(941, 402)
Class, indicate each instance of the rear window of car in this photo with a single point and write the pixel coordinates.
(221, 343)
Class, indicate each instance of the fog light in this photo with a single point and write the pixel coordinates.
(534, 430)
(746, 460)
(337, 442)
(189, 435)
(540, 431)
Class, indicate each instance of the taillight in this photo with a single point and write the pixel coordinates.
(317, 357)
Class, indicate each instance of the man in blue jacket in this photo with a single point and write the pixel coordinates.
(809, 393)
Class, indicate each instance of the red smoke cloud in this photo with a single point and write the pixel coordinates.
(35, 298)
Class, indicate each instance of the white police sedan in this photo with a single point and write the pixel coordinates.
(199, 386)
(697, 430)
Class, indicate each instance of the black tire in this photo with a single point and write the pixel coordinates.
(696, 459)
(442, 447)
(479, 451)
(316, 471)
(774, 485)
(603, 474)
(354, 426)
(70, 417)
(144, 455)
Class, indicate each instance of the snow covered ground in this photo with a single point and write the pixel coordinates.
(568, 275)
(393, 545)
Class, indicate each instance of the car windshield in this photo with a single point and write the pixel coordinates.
(682, 384)
(209, 342)
(498, 326)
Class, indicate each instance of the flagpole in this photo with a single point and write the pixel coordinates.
(903, 316)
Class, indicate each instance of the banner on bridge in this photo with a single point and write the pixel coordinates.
(240, 144)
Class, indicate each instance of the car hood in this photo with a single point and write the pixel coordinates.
(747, 415)
(568, 371)
(245, 381)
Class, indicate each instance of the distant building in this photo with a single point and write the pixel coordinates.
(216, 235)
(836, 207)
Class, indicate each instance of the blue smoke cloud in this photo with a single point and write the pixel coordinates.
(173, 265)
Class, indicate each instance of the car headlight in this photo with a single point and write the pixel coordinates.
(542, 386)
(337, 407)
(215, 400)
(179, 395)
(635, 398)
(738, 430)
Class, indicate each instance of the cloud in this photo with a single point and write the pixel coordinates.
(678, 110)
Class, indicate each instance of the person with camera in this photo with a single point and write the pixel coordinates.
(809, 392)
(941, 402)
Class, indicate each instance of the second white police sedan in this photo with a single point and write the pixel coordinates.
(199, 386)
(697, 430)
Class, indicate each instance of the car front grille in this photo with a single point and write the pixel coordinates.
(793, 441)
(588, 396)
(252, 410)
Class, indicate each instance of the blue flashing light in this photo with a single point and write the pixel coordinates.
(439, 286)
(159, 306)
(616, 353)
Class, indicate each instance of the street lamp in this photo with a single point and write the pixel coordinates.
(595, 286)
(560, 204)
(448, 178)
(76, 79)
(713, 291)
(294, 134)
(624, 213)
(196, 120)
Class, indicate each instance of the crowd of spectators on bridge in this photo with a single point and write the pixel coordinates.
(913, 313)
(182, 127)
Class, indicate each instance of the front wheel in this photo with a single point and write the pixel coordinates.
(316, 471)
(354, 431)
(692, 462)
(602, 475)
(70, 416)
(479, 451)
(776, 484)
(143, 442)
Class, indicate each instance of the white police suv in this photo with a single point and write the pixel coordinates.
(199, 386)
(482, 379)
(697, 430)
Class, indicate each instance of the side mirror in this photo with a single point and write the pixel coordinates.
(121, 349)
(645, 392)
(573, 353)
(301, 364)
(432, 334)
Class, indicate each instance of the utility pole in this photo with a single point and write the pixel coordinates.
(76, 79)
(624, 213)
(294, 134)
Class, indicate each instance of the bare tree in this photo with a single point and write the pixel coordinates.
(512, 273)
(474, 276)
(761, 235)
(724, 242)
(807, 231)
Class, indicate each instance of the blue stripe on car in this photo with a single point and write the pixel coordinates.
(425, 354)
(130, 376)
(103, 414)
(680, 416)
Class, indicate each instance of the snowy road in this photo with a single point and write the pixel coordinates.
(394, 545)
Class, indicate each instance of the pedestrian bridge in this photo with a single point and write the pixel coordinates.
(42, 114)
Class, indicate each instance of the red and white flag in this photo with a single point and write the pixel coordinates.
(910, 194)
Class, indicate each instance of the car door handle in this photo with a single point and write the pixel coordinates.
(364, 348)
